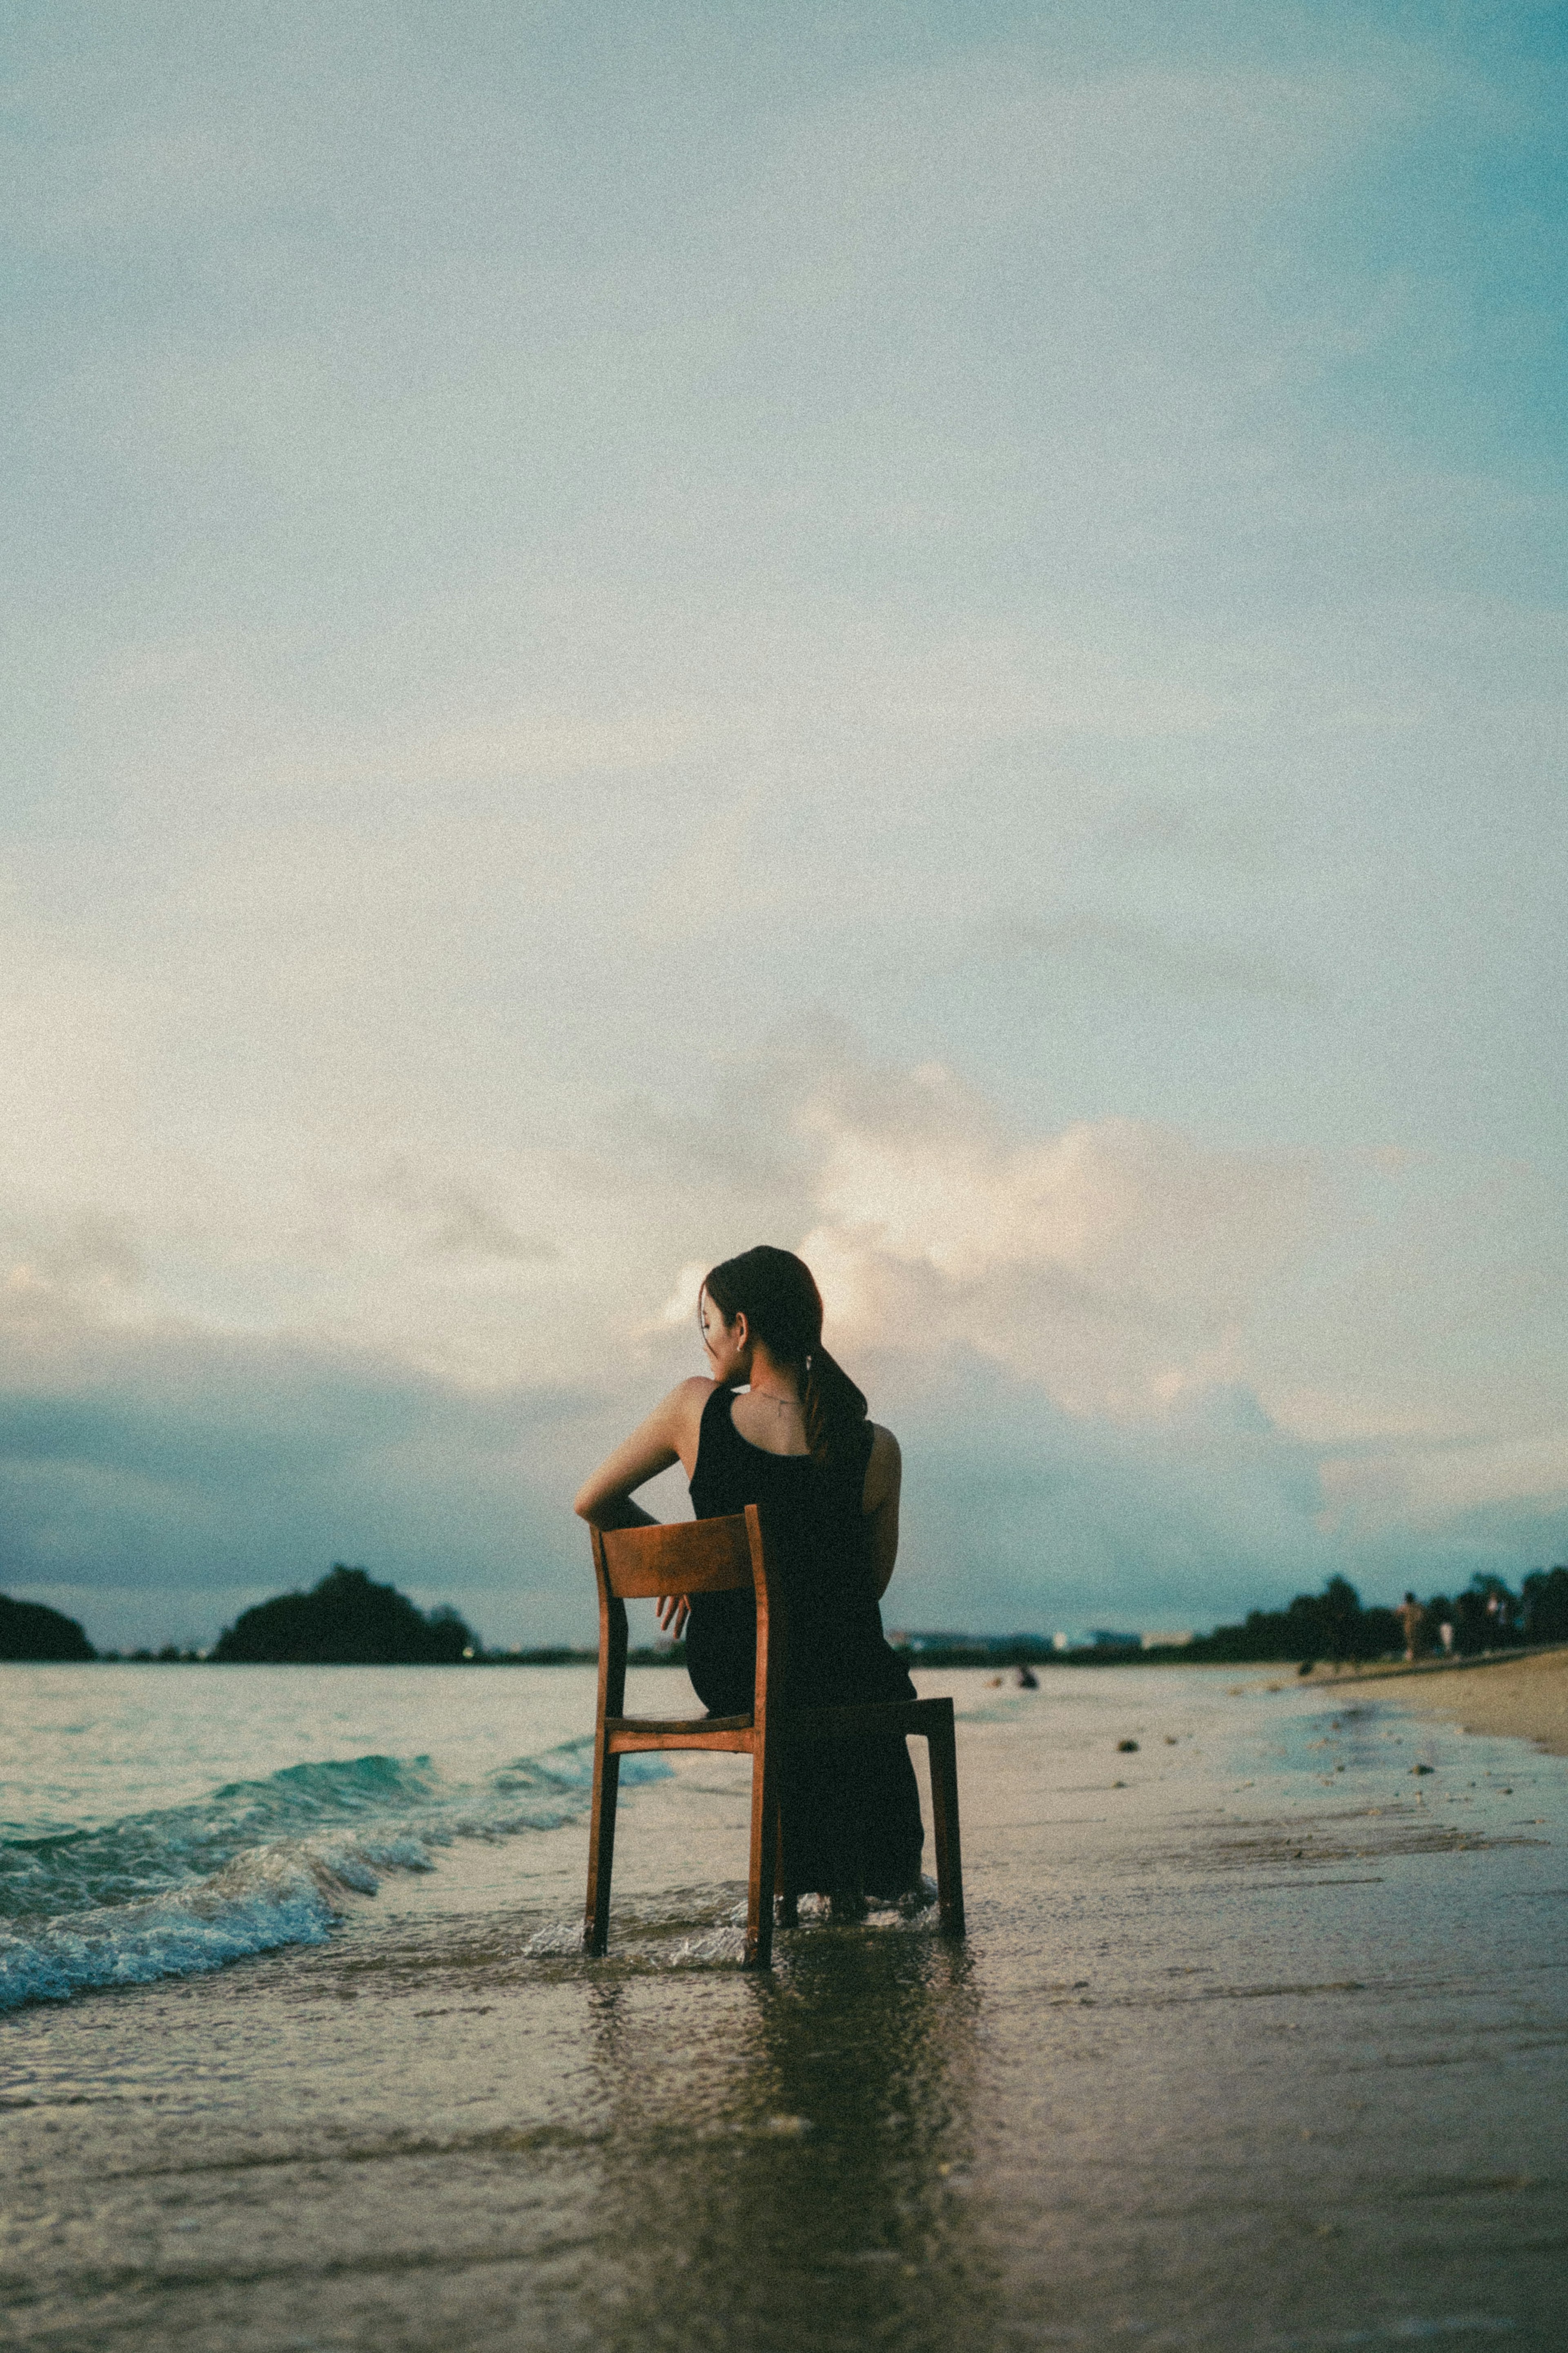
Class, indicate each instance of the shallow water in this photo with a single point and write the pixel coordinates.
(1263, 2047)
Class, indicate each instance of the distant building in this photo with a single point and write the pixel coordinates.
(1100, 1639)
(978, 1647)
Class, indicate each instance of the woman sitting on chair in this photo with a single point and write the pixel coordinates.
(780, 1425)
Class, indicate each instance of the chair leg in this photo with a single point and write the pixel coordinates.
(943, 1752)
(765, 1860)
(601, 1852)
(789, 1898)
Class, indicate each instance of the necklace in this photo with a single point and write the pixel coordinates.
(785, 1404)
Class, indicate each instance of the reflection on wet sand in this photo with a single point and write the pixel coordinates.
(795, 2171)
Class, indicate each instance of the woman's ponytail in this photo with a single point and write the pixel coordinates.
(834, 1408)
(778, 1296)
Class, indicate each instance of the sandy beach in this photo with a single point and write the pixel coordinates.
(1524, 1699)
(1517, 1699)
(1259, 2039)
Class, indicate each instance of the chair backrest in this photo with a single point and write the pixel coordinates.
(689, 1556)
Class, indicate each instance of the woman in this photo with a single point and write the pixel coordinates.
(781, 1425)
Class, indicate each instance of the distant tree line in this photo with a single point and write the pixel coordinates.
(348, 1620)
(1332, 1625)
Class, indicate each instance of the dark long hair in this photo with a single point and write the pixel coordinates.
(778, 1296)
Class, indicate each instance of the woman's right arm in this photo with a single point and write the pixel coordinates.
(670, 1434)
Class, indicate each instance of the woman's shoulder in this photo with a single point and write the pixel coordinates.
(696, 1395)
(683, 1409)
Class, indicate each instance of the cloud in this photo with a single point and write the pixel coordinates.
(1078, 1335)
(455, 1220)
(1475, 1481)
(1022, 1516)
(1115, 1263)
(1108, 1324)
(525, 749)
(54, 1267)
(1226, 828)
(195, 1474)
(1111, 955)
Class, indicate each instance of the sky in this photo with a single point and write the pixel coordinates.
(930, 633)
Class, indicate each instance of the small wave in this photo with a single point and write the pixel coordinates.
(256, 1866)
(142, 1854)
(268, 1898)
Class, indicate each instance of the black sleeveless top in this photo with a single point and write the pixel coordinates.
(819, 1556)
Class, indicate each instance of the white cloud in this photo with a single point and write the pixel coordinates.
(1426, 1487)
(1077, 1333)
(680, 1310)
(1115, 1264)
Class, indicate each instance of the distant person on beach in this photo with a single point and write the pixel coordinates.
(776, 1423)
(1413, 1624)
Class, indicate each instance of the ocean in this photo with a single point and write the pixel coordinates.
(1258, 2041)
(160, 1820)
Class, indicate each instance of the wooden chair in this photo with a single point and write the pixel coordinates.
(718, 1557)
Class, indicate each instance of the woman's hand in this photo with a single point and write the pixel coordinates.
(674, 1610)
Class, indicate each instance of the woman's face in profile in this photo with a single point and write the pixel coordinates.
(725, 1343)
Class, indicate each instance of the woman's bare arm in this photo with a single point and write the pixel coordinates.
(668, 1435)
(879, 1501)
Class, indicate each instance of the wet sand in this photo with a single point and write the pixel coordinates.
(1259, 2039)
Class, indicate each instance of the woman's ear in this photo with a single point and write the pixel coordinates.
(739, 1330)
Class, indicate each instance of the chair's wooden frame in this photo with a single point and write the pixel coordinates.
(720, 1557)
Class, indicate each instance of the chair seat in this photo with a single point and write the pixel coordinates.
(677, 1724)
(870, 1717)
(626, 1734)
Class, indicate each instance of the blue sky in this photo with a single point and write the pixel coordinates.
(933, 634)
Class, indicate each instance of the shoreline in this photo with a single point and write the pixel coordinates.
(1519, 1696)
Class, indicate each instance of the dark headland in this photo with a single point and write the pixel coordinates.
(29, 1632)
(346, 1621)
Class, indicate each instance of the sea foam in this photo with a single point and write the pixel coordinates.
(255, 1866)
